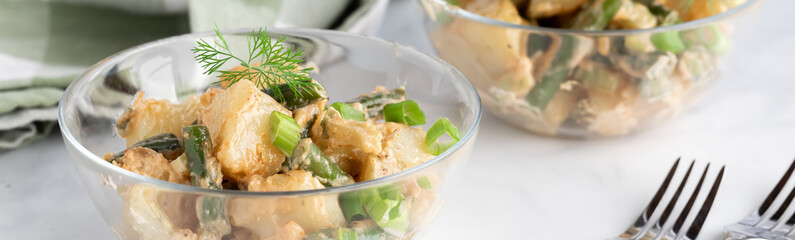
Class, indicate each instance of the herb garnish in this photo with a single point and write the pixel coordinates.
(268, 64)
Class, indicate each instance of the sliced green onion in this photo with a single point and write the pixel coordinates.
(348, 112)
(363, 232)
(347, 234)
(383, 205)
(407, 112)
(285, 132)
(438, 129)
(424, 182)
(668, 41)
(351, 207)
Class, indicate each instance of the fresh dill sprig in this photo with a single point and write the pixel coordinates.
(267, 65)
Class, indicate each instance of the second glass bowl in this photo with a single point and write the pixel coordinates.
(575, 83)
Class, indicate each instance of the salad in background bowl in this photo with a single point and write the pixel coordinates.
(587, 68)
(269, 135)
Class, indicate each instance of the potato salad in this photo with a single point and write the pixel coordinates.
(584, 82)
(262, 132)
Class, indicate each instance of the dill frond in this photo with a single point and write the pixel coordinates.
(267, 65)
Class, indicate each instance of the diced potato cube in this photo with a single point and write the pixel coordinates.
(264, 217)
(549, 8)
(403, 148)
(152, 164)
(238, 121)
(149, 117)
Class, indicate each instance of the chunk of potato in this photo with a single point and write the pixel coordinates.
(308, 113)
(364, 137)
(238, 121)
(348, 142)
(549, 8)
(692, 10)
(497, 49)
(403, 148)
(264, 217)
(495, 54)
(152, 164)
(288, 231)
(144, 214)
(149, 117)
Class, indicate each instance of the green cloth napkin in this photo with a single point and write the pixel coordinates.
(44, 45)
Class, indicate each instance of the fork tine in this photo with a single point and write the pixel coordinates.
(698, 222)
(776, 216)
(657, 197)
(675, 198)
(791, 220)
(683, 215)
(776, 190)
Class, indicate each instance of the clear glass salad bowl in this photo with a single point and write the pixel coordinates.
(138, 207)
(575, 83)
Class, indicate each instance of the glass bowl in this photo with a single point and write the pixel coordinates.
(138, 207)
(575, 83)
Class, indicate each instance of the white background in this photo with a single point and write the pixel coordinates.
(522, 186)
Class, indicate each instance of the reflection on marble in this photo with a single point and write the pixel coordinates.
(521, 186)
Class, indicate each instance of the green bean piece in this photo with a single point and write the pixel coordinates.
(537, 43)
(213, 220)
(308, 157)
(562, 64)
(293, 100)
(596, 15)
(166, 144)
(544, 91)
(205, 171)
(374, 103)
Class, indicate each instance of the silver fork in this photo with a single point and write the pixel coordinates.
(765, 222)
(645, 227)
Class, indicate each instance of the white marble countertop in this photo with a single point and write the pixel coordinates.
(521, 186)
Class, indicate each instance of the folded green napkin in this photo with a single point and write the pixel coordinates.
(45, 44)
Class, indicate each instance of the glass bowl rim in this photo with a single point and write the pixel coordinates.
(456, 10)
(94, 71)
